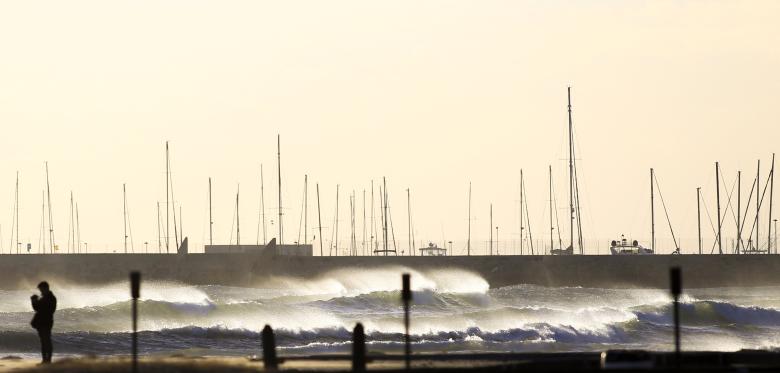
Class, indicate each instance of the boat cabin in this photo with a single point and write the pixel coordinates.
(433, 250)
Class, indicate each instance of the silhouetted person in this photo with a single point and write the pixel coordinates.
(43, 321)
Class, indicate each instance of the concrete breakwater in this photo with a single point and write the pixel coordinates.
(248, 269)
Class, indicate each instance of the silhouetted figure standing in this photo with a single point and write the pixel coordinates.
(43, 321)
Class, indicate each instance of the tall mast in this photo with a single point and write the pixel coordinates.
(159, 244)
(571, 175)
(72, 225)
(717, 181)
(352, 242)
(409, 218)
(211, 220)
(384, 215)
(262, 206)
(305, 208)
(652, 211)
(16, 202)
(337, 220)
(364, 222)
(739, 210)
(468, 242)
(279, 168)
(698, 214)
(522, 228)
(167, 203)
(319, 218)
(78, 228)
(491, 229)
(48, 202)
(771, 194)
(124, 214)
(373, 222)
(238, 222)
(758, 204)
(551, 209)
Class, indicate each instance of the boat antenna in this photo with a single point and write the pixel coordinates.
(319, 218)
(279, 169)
(48, 198)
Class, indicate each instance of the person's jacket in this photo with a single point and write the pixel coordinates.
(44, 311)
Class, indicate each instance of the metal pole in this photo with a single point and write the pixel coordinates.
(468, 242)
(279, 168)
(124, 214)
(739, 211)
(167, 205)
(491, 229)
(521, 214)
(319, 218)
(771, 195)
(758, 204)
(211, 221)
(571, 175)
(652, 210)
(551, 210)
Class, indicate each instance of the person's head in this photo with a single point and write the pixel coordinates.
(43, 286)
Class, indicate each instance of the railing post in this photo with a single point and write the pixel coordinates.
(676, 288)
(406, 296)
(359, 349)
(269, 349)
(135, 293)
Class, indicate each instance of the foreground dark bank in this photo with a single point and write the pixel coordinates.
(616, 361)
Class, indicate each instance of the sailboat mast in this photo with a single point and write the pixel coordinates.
(739, 210)
(238, 222)
(717, 181)
(279, 169)
(262, 205)
(491, 229)
(409, 218)
(758, 203)
(48, 202)
(319, 218)
(78, 229)
(211, 220)
(652, 211)
(124, 215)
(364, 222)
(384, 215)
(468, 242)
(698, 215)
(771, 194)
(571, 174)
(167, 203)
(72, 225)
(305, 208)
(373, 222)
(522, 228)
(551, 208)
(337, 221)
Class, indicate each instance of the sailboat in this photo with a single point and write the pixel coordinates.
(573, 194)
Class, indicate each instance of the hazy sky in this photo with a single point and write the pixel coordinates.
(430, 94)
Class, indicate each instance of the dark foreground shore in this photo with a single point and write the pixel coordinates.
(742, 361)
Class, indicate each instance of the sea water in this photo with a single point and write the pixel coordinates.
(453, 311)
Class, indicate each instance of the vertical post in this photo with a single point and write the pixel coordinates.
(238, 225)
(167, 205)
(269, 349)
(676, 287)
(739, 211)
(337, 220)
(305, 208)
(698, 214)
(364, 222)
(211, 221)
(652, 210)
(468, 241)
(406, 296)
(771, 195)
(358, 349)
(384, 216)
(135, 293)
(319, 218)
(717, 181)
(571, 176)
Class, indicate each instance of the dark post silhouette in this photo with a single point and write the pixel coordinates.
(406, 296)
(135, 293)
(269, 349)
(359, 349)
(43, 321)
(676, 285)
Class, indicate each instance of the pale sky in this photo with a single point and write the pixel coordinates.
(430, 94)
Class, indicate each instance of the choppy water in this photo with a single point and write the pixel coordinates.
(453, 311)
